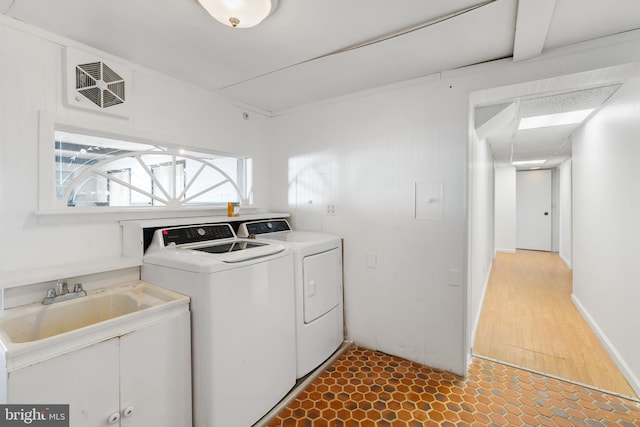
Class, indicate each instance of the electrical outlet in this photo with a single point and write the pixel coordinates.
(331, 209)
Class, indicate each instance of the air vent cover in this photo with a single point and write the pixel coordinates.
(100, 84)
(96, 84)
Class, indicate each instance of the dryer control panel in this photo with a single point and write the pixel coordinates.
(263, 227)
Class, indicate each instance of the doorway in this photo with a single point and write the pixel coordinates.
(528, 320)
(489, 262)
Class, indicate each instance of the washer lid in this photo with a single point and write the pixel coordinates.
(237, 250)
(202, 247)
(224, 255)
(236, 245)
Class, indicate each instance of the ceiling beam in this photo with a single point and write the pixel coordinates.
(500, 116)
(532, 25)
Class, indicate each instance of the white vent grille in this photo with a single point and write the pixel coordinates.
(95, 84)
(100, 84)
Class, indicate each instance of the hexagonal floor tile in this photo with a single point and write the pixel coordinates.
(370, 388)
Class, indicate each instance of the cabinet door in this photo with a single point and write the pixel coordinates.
(155, 375)
(86, 379)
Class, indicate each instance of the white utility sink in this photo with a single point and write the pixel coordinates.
(35, 330)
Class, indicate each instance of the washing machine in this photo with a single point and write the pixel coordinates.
(318, 284)
(243, 311)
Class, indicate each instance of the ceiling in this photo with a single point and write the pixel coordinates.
(499, 123)
(310, 50)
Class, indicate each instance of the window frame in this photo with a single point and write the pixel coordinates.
(114, 171)
(49, 203)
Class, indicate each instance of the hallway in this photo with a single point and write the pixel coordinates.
(528, 320)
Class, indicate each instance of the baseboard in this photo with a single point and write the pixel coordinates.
(626, 371)
(565, 260)
(506, 251)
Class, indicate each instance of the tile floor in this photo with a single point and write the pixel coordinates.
(368, 388)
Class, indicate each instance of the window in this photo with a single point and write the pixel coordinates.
(97, 171)
(119, 195)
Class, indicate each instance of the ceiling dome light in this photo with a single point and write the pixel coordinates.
(239, 13)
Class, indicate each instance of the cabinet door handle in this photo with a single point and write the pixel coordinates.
(128, 411)
(114, 418)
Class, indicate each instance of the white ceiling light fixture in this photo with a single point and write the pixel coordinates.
(568, 118)
(239, 13)
(528, 162)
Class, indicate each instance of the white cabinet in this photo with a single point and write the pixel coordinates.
(86, 379)
(139, 379)
(155, 375)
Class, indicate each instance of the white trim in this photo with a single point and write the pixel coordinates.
(626, 371)
(476, 321)
(506, 251)
(46, 164)
(565, 260)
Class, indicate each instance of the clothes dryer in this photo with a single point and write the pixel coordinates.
(318, 288)
(242, 306)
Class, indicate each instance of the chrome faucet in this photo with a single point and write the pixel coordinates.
(61, 293)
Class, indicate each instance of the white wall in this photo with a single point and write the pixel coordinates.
(505, 208)
(555, 210)
(565, 229)
(363, 153)
(481, 228)
(606, 209)
(365, 156)
(30, 82)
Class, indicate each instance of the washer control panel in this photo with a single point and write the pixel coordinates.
(196, 233)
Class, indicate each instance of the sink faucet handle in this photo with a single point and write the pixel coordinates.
(77, 288)
(59, 288)
(51, 293)
(62, 287)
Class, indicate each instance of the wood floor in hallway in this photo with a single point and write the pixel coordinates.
(529, 320)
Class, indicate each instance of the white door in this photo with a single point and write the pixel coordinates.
(533, 210)
(155, 375)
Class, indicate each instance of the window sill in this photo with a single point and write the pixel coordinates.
(107, 214)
